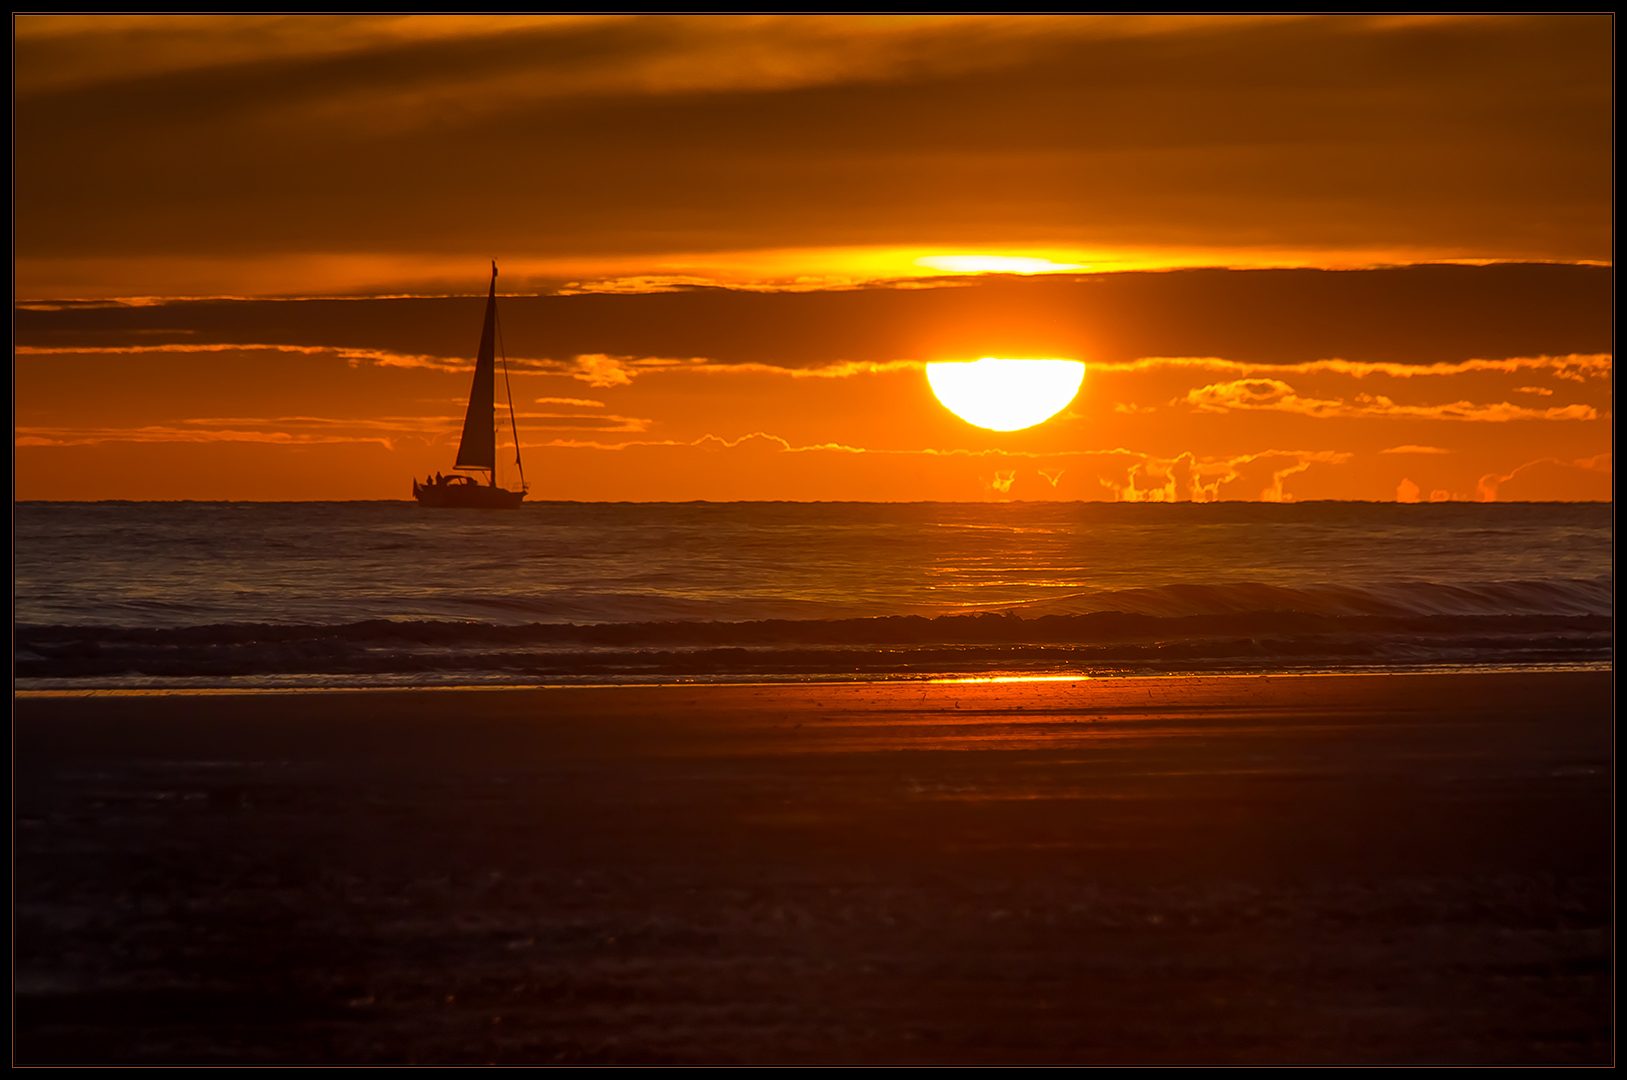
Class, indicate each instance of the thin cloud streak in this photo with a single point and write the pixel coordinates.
(160, 433)
(1277, 396)
(1575, 367)
(380, 357)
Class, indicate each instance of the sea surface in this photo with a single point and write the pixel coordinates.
(123, 595)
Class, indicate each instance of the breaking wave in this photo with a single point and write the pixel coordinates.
(1177, 628)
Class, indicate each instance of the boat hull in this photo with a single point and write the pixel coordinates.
(466, 497)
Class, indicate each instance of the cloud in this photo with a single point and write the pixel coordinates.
(380, 357)
(1575, 367)
(841, 369)
(1411, 449)
(600, 422)
(311, 430)
(766, 463)
(1274, 492)
(997, 264)
(382, 423)
(1548, 320)
(1489, 485)
(162, 433)
(1119, 474)
(485, 62)
(597, 369)
(288, 430)
(1277, 396)
(604, 371)
(1190, 477)
(148, 139)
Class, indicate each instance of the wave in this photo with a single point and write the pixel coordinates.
(588, 607)
(1576, 596)
(1103, 641)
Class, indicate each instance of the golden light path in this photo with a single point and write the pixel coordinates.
(1006, 394)
(966, 679)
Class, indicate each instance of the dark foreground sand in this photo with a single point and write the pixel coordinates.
(1339, 869)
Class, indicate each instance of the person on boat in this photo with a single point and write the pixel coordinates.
(438, 480)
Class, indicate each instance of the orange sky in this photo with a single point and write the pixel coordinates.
(705, 225)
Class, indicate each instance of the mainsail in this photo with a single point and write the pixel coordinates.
(478, 449)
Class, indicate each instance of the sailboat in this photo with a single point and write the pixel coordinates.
(477, 452)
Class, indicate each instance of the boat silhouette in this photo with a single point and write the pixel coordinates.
(477, 451)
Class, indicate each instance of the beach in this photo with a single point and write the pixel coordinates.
(1346, 868)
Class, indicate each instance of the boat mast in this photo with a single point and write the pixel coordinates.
(509, 391)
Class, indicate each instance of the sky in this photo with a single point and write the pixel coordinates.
(1300, 257)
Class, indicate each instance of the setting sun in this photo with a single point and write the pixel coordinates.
(1003, 394)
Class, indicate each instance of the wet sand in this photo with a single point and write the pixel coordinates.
(1323, 869)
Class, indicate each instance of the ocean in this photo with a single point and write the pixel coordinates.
(169, 596)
